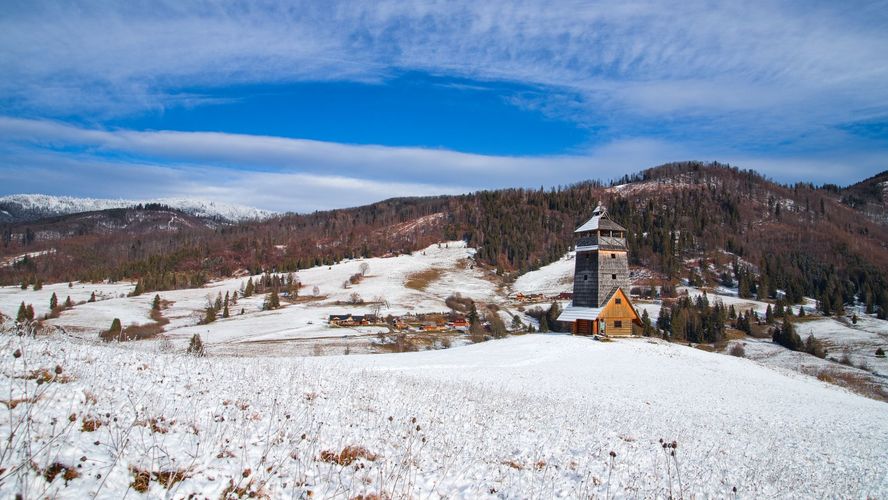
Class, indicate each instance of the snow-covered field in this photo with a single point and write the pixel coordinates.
(551, 279)
(306, 320)
(535, 416)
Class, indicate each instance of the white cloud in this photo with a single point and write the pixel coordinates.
(826, 61)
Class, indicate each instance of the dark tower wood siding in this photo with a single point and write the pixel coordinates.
(586, 277)
(602, 263)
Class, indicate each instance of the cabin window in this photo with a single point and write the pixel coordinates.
(613, 256)
(618, 324)
(613, 276)
(585, 277)
(619, 300)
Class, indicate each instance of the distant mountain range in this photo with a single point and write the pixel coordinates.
(30, 207)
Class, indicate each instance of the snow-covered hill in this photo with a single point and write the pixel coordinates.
(31, 206)
(526, 417)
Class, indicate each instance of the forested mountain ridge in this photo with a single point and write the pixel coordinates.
(869, 196)
(803, 239)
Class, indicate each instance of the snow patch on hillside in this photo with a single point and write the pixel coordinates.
(550, 279)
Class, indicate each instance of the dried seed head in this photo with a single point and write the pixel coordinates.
(17, 353)
(58, 369)
(613, 454)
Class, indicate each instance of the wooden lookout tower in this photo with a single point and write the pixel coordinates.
(601, 304)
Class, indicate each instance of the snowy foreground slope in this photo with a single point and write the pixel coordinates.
(536, 416)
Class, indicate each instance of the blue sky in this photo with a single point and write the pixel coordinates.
(313, 105)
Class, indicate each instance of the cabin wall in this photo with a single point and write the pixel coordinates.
(621, 312)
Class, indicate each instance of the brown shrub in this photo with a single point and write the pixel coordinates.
(157, 425)
(90, 424)
(56, 468)
(166, 478)
(348, 455)
(138, 332)
(737, 350)
(45, 376)
(856, 382)
(421, 279)
(12, 403)
(371, 496)
(513, 464)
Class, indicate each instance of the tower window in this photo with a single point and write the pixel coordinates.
(613, 276)
(613, 256)
(585, 277)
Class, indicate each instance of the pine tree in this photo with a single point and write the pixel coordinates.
(38, 285)
(473, 314)
(516, 323)
(648, 330)
(248, 291)
(22, 315)
(116, 328)
(217, 305)
(544, 324)
(92, 297)
(769, 315)
(664, 320)
(53, 302)
(552, 317)
(69, 303)
(195, 346)
(209, 315)
(272, 301)
(155, 304)
(30, 312)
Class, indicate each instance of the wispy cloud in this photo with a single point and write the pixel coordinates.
(824, 60)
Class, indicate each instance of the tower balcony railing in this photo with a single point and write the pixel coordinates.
(602, 242)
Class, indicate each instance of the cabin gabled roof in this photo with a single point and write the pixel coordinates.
(571, 313)
(600, 220)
